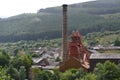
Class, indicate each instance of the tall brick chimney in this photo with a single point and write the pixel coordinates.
(65, 33)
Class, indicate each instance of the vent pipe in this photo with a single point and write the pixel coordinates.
(65, 33)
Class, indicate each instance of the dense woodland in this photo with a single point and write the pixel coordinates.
(94, 16)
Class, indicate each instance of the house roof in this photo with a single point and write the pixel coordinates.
(36, 60)
(105, 56)
(44, 67)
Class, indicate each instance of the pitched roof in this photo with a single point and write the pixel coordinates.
(36, 60)
(105, 56)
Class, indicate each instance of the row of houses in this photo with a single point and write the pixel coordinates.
(97, 57)
(106, 47)
(47, 59)
(48, 56)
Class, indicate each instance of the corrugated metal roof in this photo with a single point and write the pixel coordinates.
(44, 67)
(105, 56)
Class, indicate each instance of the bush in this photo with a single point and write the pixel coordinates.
(107, 71)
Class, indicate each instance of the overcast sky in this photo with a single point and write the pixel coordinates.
(14, 7)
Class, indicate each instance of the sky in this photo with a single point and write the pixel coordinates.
(15, 7)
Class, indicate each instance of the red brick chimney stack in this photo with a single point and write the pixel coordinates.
(64, 32)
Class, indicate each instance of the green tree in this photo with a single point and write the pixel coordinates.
(73, 74)
(89, 76)
(56, 75)
(13, 72)
(117, 42)
(22, 73)
(4, 58)
(44, 75)
(58, 59)
(23, 60)
(4, 75)
(107, 71)
(34, 73)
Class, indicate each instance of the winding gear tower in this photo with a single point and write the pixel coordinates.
(78, 56)
(77, 49)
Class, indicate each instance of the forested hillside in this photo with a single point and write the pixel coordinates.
(94, 16)
(106, 38)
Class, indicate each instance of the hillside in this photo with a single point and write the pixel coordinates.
(106, 38)
(94, 16)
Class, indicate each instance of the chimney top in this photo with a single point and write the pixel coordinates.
(65, 5)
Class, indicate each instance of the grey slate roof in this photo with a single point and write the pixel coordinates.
(105, 56)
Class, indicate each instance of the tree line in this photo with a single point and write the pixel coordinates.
(19, 68)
